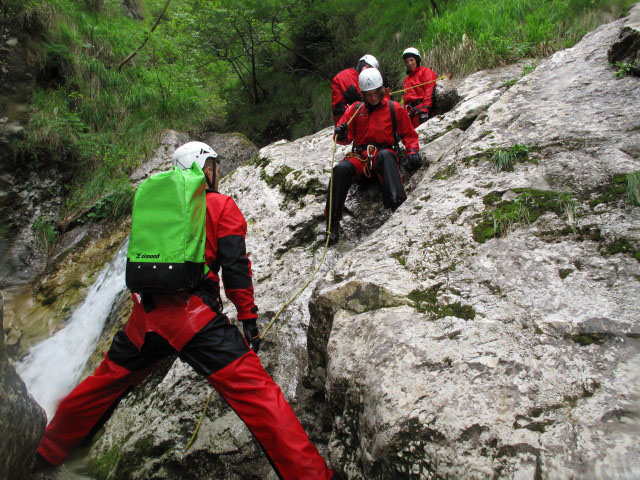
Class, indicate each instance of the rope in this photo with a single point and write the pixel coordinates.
(326, 243)
(195, 432)
(421, 84)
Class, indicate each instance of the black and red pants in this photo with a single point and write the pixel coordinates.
(219, 352)
(384, 168)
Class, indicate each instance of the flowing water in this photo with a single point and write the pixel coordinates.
(53, 367)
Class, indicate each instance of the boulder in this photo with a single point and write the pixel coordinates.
(448, 350)
(626, 48)
(22, 421)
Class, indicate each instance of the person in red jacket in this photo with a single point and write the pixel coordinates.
(344, 86)
(418, 100)
(374, 134)
(192, 325)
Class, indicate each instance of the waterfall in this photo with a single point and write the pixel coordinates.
(53, 367)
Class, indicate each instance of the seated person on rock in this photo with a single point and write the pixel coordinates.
(420, 86)
(375, 129)
(344, 86)
(192, 325)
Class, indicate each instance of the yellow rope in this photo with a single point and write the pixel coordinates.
(421, 84)
(195, 432)
(326, 243)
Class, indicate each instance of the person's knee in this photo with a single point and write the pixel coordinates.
(344, 168)
(383, 158)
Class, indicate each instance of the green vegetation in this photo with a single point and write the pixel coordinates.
(525, 71)
(262, 68)
(445, 173)
(621, 186)
(401, 257)
(633, 188)
(504, 158)
(503, 216)
(427, 302)
(46, 233)
(623, 69)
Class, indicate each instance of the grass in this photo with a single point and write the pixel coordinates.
(504, 159)
(633, 188)
(46, 233)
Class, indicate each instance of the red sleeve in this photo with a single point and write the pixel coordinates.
(346, 116)
(427, 75)
(234, 263)
(406, 131)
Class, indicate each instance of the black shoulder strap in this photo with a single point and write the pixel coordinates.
(355, 124)
(394, 123)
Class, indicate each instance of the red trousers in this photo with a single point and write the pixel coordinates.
(218, 352)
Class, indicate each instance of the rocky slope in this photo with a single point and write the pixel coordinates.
(488, 328)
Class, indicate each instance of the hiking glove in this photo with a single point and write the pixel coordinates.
(424, 116)
(341, 132)
(413, 162)
(251, 334)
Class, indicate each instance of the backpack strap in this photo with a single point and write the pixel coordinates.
(355, 124)
(394, 123)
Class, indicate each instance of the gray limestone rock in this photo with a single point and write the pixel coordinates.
(22, 421)
(626, 48)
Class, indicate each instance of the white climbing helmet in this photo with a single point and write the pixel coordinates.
(411, 52)
(369, 79)
(190, 152)
(370, 60)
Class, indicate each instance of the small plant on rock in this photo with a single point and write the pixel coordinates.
(624, 69)
(46, 234)
(569, 205)
(504, 159)
(633, 188)
(506, 218)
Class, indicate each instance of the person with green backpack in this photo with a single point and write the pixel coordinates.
(184, 235)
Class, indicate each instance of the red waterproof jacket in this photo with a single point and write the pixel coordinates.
(178, 317)
(420, 98)
(375, 127)
(344, 91)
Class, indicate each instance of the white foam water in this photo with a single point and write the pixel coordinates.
(53, 367)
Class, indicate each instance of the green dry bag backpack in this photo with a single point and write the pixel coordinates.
(168, 232)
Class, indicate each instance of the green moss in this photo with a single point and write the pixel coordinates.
(426, 301)
(620, 245)
(610, 192)
(461, 209)
(577, 264)
(470, 192)
(257, 161)
(526, 208)
(564, 272)
(401, 257)
(426, 198)
(100, 467)
(586, 339)
(277, 179)
(445, 173)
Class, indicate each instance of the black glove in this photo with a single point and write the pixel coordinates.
(410, 110)
(424, 116)
(251, 334)
(352, 95)
(413, 162)
(341, 131)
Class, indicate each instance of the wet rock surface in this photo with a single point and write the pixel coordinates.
(22, 421)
